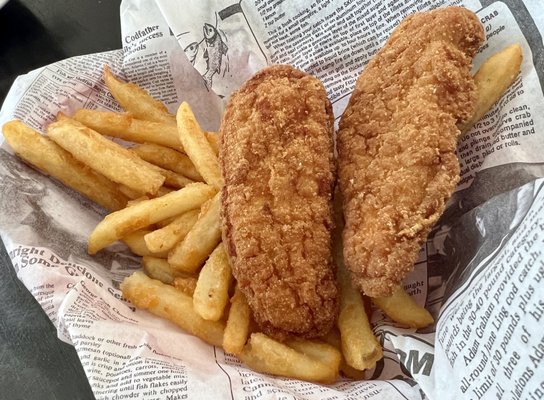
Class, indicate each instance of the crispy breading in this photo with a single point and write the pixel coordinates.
(278, 165)
(397, 141)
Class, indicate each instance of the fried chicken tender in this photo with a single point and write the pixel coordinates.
(397, 141)
(278, 165)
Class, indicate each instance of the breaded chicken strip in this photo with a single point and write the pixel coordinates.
(397, 141)
(277, 161)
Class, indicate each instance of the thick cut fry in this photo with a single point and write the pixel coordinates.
(163, 190)
(125, 126)
(104, 156)
(237, 328)
(360, 347)
(52, 159)
(333, 338)
(267, 355)
(213, 139)
(401, 308)
(136, 243)
(167, 302)
(186, 284)
(136, 100)
(172, 179)
(197, 147)
(191, 252)
(120, 223)
(167, 158)
(212, 288)
(164, 239)
(494, 76)
(159, 269)
(134, 195)
(320, 351)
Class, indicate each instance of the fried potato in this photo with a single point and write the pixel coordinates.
(212, 288)
(172, 179)
(136, 100)
(333, 338)
(401, 308)
(360, 347)
(104, 156)
(186, 284)
(197, 147)
(191, 252)
(159, 269)
(494, 76)
(52, 159)
(267, 355)
(120, 223)
(136, 243)
(237, 328)
(125, 126)
(167, 302)
(165, 238)
(213, 139)
(323, 352)
(167, 158)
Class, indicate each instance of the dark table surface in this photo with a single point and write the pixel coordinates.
(34, 364)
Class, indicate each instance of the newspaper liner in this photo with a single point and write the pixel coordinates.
(480, 272)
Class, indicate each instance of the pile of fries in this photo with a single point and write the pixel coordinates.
(163, 194)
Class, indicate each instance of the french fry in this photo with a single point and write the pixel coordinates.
(323, 352)
(163, 190)
(52, 159)
(159, 269)
(167, 302)
(237, 328)
(136, 243)
(120, 223)
(187, 284)
(360, 347)
(333, 338)
(167, 158)
(197, 146)
(172, 179)
(133, 195)
(125, 126)
(267, 355)
(189, 254)
(494, 76)
(213, 139)
(136, 100)
(104, 156)
(212, 288)
(401, 308)
(164, 239)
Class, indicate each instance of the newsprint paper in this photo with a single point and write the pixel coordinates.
(480, 274)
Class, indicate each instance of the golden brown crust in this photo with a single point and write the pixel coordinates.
(277, 161)
(397, 141)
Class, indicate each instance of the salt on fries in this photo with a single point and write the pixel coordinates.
(187, 277)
